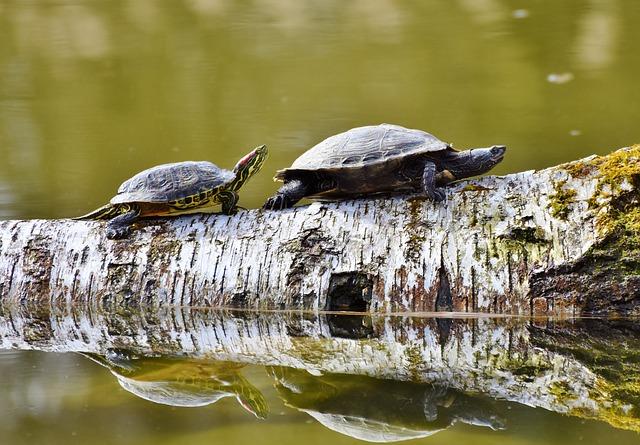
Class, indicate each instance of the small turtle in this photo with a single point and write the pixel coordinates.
(379, 159)
(183, 382)
(177, 189)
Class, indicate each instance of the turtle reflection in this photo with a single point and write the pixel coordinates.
(183, 382)
(380, 410)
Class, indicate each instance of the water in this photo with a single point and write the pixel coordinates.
(190, 376)
(93, 92)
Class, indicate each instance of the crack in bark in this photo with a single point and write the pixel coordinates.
(444, 299)
(495, 250)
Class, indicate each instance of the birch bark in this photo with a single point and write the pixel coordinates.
(558, 241)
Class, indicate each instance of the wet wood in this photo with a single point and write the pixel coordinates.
(556, 241)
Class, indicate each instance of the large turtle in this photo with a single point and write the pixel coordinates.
(177, 189)
(379, 159)
(381, 410)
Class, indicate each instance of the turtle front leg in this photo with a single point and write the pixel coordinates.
(120, 226)
(290, 193)
(429, 183)
(229, 200)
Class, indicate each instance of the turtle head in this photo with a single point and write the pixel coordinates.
(476, 161)
(249, 165)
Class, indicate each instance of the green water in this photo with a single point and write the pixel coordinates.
(92, 92)
(209, 377)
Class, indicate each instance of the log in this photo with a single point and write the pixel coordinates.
(586, 368)
(560, 241)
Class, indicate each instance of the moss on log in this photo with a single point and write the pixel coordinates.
(560, 241)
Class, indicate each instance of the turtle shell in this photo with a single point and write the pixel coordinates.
(171, 182)
(363, 146)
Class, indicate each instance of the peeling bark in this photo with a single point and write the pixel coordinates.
(558, 241)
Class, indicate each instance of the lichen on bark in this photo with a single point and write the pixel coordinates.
(611, 266)
(489, 248)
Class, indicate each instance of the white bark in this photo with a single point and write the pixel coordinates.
(488, 248)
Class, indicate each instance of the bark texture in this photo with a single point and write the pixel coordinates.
(558, 241)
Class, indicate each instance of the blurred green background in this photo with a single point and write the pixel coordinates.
(92, 92)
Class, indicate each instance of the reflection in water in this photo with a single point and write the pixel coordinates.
(366, 408)
(184, 383)
(373, 377)
(92, 92)
(598, 35)
(380, 410)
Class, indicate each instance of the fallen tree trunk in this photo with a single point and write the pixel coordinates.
(558, 241)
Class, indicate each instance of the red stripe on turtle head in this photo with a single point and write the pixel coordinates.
(248, 158)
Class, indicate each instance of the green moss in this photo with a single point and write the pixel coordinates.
(615, 202)
(527, 368)
(414, 357)
(526, 235)
(610, 350)
(474, 188)
(579, 169)
(629, 222)
(562, 391)
(620, 165)
(623, 218)
(562, 199)
(624, 227)
(416, 231)
(619, 404)
(309, 350)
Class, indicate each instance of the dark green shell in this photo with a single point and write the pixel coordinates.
(364, 146)
(172, 182)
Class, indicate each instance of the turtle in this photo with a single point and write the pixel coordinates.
(380, 410)
(379, 159)
(182, 381)
(177, 189)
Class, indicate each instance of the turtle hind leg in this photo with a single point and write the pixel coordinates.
(290, 193)
(429, 183)
(120, 226)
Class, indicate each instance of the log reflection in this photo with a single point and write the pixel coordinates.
(584, 368)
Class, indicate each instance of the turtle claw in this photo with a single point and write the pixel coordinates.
(232, 211)
(118, 232)
(437, 196)
(277, 202)
(120, 226)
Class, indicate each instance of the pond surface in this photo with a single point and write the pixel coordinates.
(181, 376)
(93, 92)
